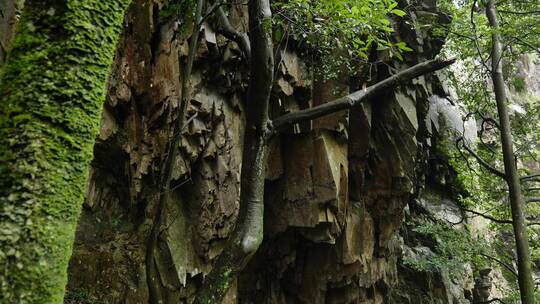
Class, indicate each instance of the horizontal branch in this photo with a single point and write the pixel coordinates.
(494, 219)
(520, 13)
(532, 200)
(491, 301)
(491, 218)
(529, 177)
(360, 96)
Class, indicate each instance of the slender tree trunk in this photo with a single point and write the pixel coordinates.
(52, 88)
(248, 233)
(525, 279)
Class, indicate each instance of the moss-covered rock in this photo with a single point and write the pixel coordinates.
(52, 88)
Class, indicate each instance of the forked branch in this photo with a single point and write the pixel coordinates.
(227, 30)
(248, 232)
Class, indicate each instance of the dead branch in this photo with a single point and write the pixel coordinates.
(360, 96)
(486, 216)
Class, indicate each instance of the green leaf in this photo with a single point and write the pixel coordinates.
(398, 12)
(403, 47)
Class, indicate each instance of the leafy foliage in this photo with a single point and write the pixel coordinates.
(470, 40)
(454, 249)
(353, 27)
(176, 9)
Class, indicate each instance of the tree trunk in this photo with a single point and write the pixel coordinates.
(8, 19)
(248, 233)
(52, 89)
(526, 285)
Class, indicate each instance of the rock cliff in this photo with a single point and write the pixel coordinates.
(342, 193)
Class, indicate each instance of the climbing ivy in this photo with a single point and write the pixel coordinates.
(52, 90)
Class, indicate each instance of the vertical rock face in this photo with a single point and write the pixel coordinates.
(336, 190)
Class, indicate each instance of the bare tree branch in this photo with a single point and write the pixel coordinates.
(491, 301)
(532, 200)
(489, 217)
(481, 161)
(529, 177)
(152, 277)
(360, 96)
(508, 267)
(520, 13)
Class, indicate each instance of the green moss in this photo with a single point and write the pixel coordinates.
(53, 87)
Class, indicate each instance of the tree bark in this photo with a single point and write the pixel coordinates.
(526, 284)
(8, 19)
(248, 233)
(52, 87)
